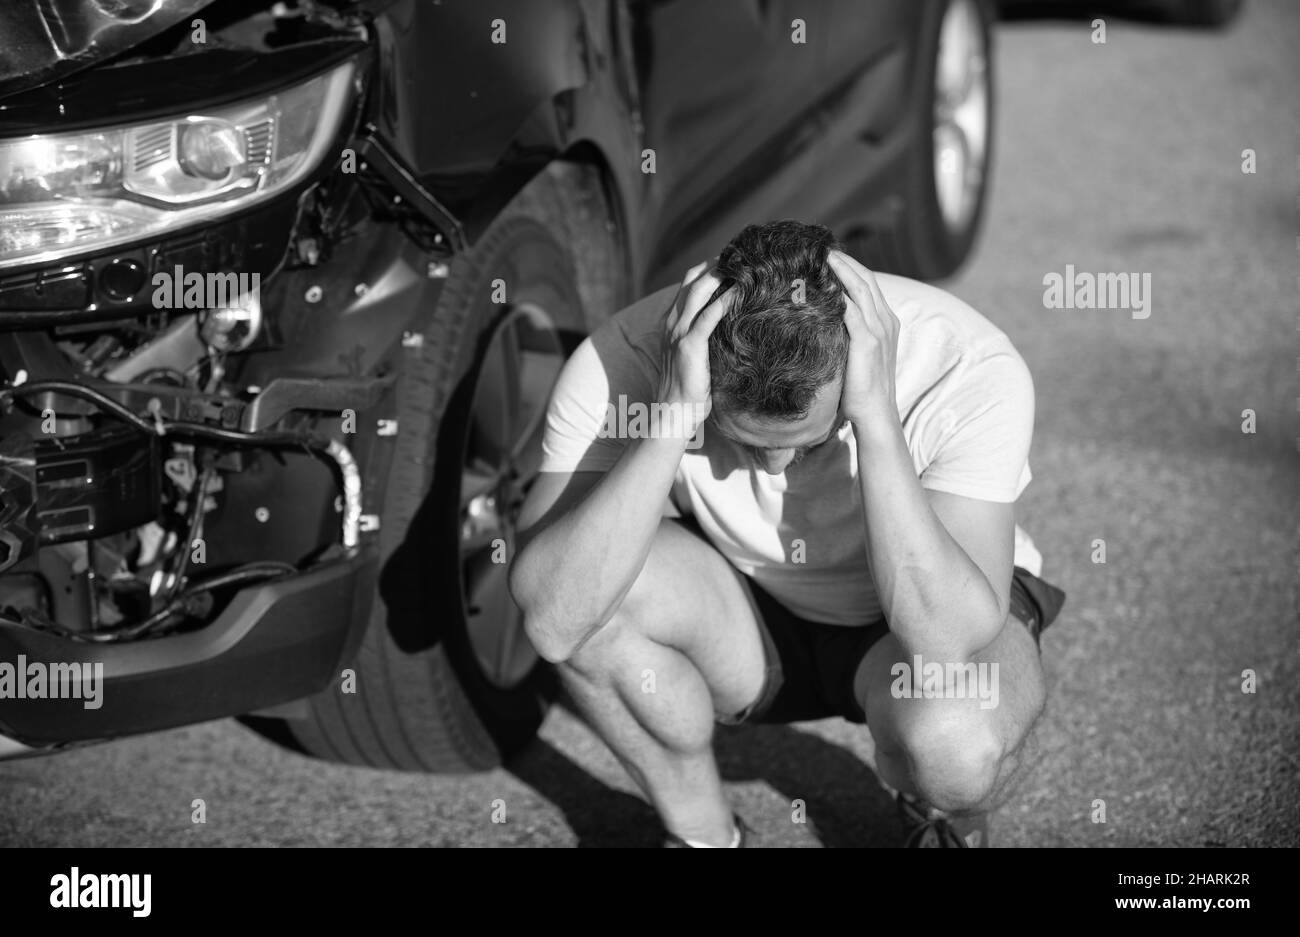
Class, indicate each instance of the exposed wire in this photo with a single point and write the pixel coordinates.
(198, 494)
(83, 392)
(176, 606)
(163, 426)
(331, 448)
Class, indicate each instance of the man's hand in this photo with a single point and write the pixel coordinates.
(685, 383)
(868, 392)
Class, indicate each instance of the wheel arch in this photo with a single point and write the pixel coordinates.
(597, 204)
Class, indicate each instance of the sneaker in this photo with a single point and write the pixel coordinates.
(929, 828)
(673, 841)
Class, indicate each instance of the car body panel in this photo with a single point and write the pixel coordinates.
(45, 40)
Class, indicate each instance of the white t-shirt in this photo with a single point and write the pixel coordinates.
(965, 401)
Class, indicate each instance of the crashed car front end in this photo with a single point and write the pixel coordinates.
(189, 394)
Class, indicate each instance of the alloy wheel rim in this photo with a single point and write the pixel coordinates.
(502, 453)
(961, 114)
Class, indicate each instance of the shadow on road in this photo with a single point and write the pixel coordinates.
(843, 802)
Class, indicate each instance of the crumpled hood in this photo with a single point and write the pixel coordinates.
(43, 40)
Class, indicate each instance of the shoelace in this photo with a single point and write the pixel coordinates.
(937, 832)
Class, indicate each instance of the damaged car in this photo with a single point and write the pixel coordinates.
(284, 288)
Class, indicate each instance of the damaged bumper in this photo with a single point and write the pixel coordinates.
(275, 642)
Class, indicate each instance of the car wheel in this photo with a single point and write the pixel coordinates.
(947, 174)
(445, 679)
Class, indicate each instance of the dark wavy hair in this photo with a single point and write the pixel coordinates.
(770, 354)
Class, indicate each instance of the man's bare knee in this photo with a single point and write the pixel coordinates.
(636, 610)
(642, 609)
(959, 753)
(622, 669)
(602, 651)
(700, 643)
(955, 768)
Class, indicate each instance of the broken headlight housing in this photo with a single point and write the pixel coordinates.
(61, 194)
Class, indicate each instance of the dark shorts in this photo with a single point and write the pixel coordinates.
(811, 666)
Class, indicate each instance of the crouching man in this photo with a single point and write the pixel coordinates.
(787, 490)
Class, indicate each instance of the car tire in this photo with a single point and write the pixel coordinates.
(947, 170)
(423, 698)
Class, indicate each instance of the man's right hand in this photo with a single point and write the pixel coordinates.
(684, 383)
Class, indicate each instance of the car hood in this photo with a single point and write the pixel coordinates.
(45, 40)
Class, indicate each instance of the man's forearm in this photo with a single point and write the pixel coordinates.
(937, 601)
(572, 576)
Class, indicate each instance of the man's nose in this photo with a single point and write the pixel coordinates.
(774, 461)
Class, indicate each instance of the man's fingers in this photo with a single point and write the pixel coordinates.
(856, 322)
(864, 290)
(869, 277)
(683, 311)
(679, 301)
(860, 298)
(696, 298)
(711, 315)
(852, 262)
(846, 268)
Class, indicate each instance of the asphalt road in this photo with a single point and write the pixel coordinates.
(1118, 157)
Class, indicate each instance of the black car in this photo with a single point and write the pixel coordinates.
(284, 288)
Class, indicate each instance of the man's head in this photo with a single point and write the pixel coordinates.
(776, 359)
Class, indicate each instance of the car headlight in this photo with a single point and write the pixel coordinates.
(64, 193)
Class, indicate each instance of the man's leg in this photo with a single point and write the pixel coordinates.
(950, 752)
(683, 645)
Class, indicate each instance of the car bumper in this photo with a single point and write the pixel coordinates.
(274, 643)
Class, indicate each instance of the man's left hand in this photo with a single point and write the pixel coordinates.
(868, 393)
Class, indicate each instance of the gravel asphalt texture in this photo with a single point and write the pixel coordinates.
(1125, 156)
